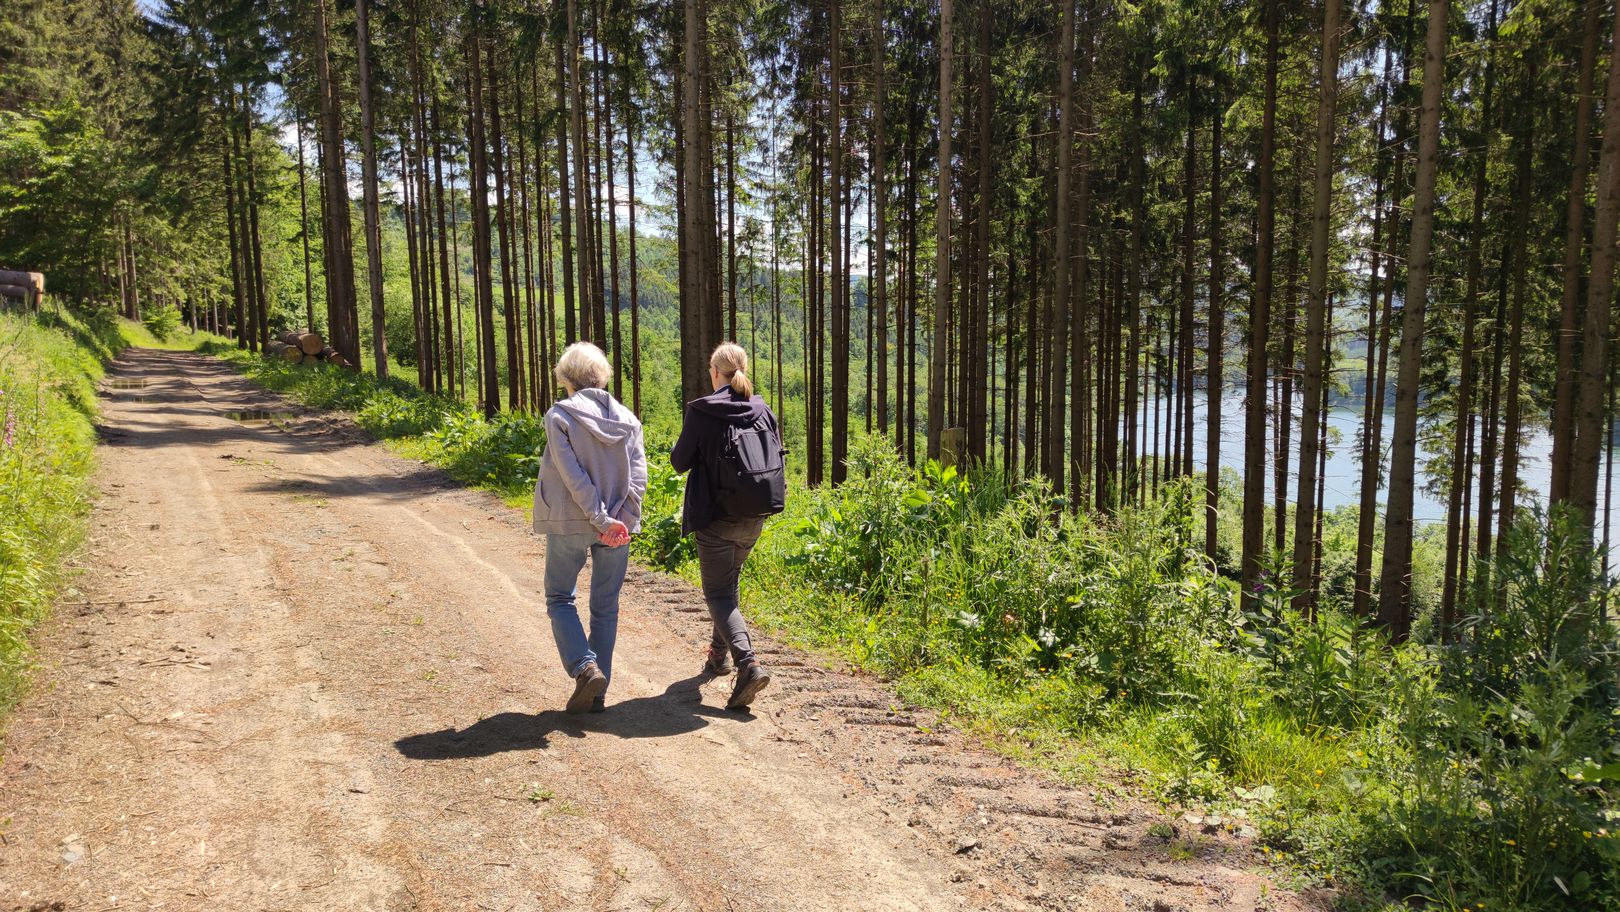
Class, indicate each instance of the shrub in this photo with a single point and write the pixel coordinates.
(161, 320)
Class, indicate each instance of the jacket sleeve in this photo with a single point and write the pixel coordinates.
(685, 454)
(638, 469)
(575, 479)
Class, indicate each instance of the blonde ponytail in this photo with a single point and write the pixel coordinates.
(731, 362)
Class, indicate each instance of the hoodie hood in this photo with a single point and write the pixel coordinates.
(724, 404)
(599, 413)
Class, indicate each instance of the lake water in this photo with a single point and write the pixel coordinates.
(1343, 482)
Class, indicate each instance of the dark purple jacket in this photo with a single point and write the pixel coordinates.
(703, 437)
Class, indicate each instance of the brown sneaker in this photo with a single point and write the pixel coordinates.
(718, 663)
(751, 679)
(589, 684)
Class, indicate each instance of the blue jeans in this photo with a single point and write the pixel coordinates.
(565, 558)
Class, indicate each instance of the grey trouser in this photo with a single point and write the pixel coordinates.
(722, 548)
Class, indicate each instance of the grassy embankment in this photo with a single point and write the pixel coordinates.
(49, 366)
(1111, 652)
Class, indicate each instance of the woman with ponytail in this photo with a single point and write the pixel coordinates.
(731, 444)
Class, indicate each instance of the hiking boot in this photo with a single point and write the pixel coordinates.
(599, 705)
(589, 686)
(751, 679)
(718, 663)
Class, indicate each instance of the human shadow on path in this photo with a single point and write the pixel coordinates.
(678, 710)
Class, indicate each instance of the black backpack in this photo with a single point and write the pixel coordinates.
(750, 475)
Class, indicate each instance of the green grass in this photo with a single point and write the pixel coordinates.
(50, 363)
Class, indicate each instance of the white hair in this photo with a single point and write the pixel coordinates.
(583, 366)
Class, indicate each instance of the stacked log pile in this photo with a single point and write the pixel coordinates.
(27, 287)
(302, 347)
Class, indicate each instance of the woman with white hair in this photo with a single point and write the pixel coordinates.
(593, 476)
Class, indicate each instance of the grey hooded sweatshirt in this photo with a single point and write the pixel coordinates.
(594, 469)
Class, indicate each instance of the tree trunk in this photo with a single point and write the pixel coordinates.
(1461, 469)
(1563, 420)
(261, 290)
(564, 189)
(1062, 253)
(1523, 186)
(1215, 386)
(303, 228)
(582, 205)
(1079, 339)
(368, 167)
(635, 292)
(1254, 456)
(489, 389)
(505, 244)
(341, 319)
(697, 241)
(236, 265)
(1372, 451)
(1132, 373)
(1590, 423)
(836, 192)
(448, 346)
(1394, 608)
(1316, 328)
(880, 206)
(938, 353)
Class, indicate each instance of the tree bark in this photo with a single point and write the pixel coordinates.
(1316, 327)
(489, 383)
(1062, 254)
(341, 318)
(1254, 456)
(1563, 420)
(303, 227)
(840, 254)
(1216, 382)
(1394, 608)
(368, 167)
(938, 353)
(1456, 522)
(880, 206)
(1590, 423)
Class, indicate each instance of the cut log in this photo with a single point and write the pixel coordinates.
(34, 280)
(337, 359)
(274, 348)
(311, 343)
(288, 338)
(292, 354)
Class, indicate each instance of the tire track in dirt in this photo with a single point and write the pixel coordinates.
(303, 673)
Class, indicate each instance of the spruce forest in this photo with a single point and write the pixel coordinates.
(1218, 390)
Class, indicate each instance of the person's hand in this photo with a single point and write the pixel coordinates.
(615, 535)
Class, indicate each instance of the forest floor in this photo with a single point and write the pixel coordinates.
(302, 672)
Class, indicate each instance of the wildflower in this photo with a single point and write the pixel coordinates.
(11, 427)
(1511, 843)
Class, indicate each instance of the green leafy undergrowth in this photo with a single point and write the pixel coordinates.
(1110, 650)
(49, 365)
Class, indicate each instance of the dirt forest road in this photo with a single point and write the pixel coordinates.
(303, 673)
